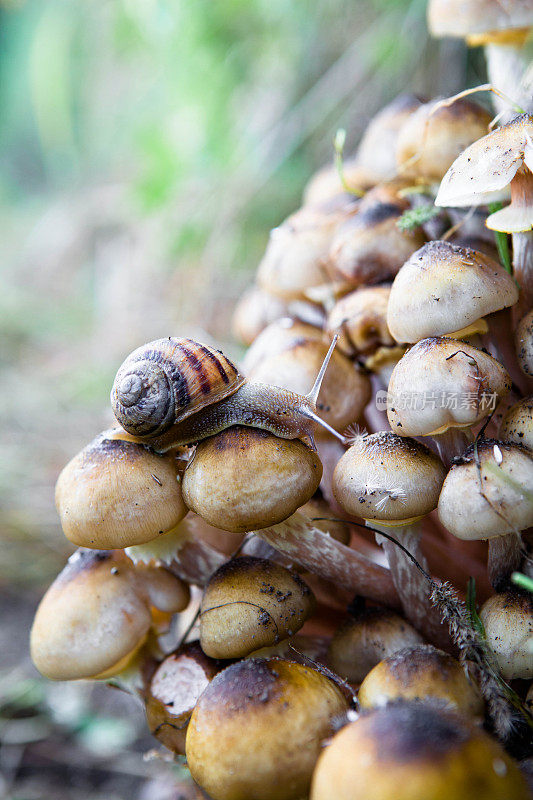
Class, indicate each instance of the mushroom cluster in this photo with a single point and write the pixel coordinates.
(329, 500)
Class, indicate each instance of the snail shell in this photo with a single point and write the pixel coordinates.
(165, 381)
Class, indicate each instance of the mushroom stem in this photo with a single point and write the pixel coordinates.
(328, 558)
(409, 581)
(450, 443)
(507, 67)
(505, 557)
(196, 561)
(523, 271)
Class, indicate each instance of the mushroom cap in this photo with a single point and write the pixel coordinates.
(415, 751)
(257, 730)
(517, 424)
(524, 343)
(388, 478)
(433, 136)
(255, 310)
(115, 493)
(174, 690)
(95, 616)
(443, 288)
(360, 320)
(470, 19)
(442, 383)
(244, 478)
(363, 640)
(508, 623)
(297, 249)
(280, 335)
(251, 603)
(370, 248)
(345, 390)
(484, 171)
(505, 505)
(420, 672)
(325, 184)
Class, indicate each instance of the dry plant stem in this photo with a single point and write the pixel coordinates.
(196, 561)
(328, 558)
(450, 444)
(507, 67)
(410, 583)
(505, 557)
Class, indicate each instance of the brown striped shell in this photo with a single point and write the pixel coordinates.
(164, 382)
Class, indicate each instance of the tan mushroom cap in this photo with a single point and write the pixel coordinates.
(297, 249)
(443, 288)
(325, 184)
(114, 494)
(388, 478)
(415, 751)
(251, 603)
(524, 343)
(420, 672)
(480, 21)
(504, 504)
(362, 641)
(370, 248)
(484, 172)
(280, 335)
(508, 622)
(258, 728)
(345, 390)
(442, 383)
(174, 690)
(360, 320)
(243, 479)
(255, 310)
(96, 615)
(433, 136)
(517, 424)
(296, 648)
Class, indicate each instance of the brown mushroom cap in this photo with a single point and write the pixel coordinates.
(360, 320)
(488, 491)
(251, 603)
(388, 478)
(280, 335)
(443, 288)
(433, 136)
(524, 343)
(517, 424)
(173, 692)
(363, 640)
(257, 730)
(415, 751)
(255, 310)
(480, 21)
(508, 622)
(114, 494)
(244, 478)
(96, 615)
(442, 383)
(297, 249)
(419, 673)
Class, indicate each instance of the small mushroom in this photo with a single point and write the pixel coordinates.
(96, 615)
(415, 751)
(251, 603)
(421, 672)
(524, 343)
(244, 478)
(517, 424)
(255, 310)
(257, 730)
(115, 493)
(508, 621)
(366, 638)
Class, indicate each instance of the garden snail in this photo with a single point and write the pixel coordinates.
(177, 391)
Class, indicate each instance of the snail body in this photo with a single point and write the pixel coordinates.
(174, 392)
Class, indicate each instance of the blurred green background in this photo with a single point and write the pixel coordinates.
(146, 149)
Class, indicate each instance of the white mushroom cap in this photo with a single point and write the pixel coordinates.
(517, 424)
(388, 478)
(488, 491)
(442, 383)
(508, 622)
(468, 18)
(484, 171)
(443, 288)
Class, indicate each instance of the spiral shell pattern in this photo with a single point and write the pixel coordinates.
(163, 382)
